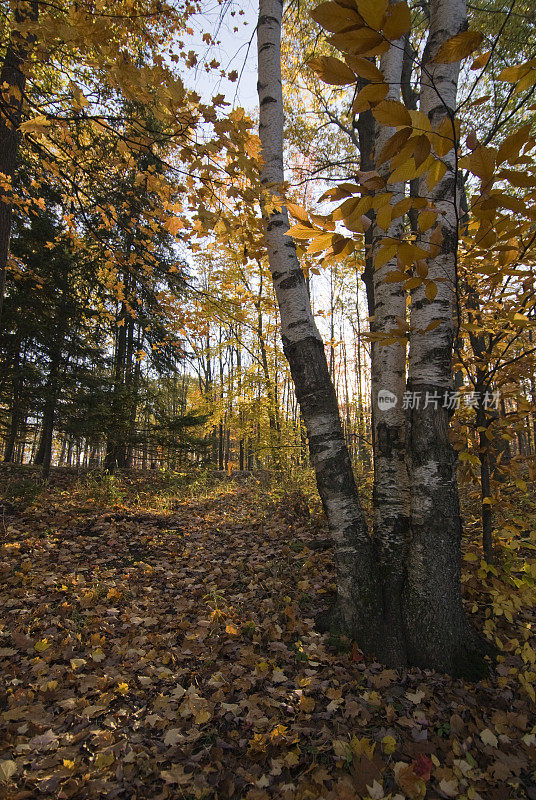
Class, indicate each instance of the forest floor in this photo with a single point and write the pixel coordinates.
(158, 642)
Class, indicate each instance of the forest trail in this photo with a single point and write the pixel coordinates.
(172, 653)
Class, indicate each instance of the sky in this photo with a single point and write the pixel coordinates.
(236, 50)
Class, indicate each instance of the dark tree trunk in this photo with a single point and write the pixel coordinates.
(43, 456)
(116, 433)
(11, 100)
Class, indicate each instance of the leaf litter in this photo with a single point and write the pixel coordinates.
(173, 654)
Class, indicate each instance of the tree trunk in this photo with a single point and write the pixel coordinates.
(44, 451)
(359, 598)
(388, 380)
(485, 483)
(12, 76)
(437, 633)
(116, 432)
(16, 407)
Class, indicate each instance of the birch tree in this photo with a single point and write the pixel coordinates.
(358, 590)
(406, 576)
(388, 373)
(432, 604)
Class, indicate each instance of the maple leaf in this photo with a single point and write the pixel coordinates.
(411, 784)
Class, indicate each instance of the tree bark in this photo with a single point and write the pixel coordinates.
(388, 375)
(115, 440)
(358, 601)
(438, 634)
(13, 77)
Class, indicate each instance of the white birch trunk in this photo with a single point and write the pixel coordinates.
(388, 372)
(438, 634)
(358, 589)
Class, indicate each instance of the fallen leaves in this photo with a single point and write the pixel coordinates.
(8, 768)
(142, 690)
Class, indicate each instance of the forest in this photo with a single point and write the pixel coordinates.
(267, 399)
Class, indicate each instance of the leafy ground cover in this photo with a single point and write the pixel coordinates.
(157, 640)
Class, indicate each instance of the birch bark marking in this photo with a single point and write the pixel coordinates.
(358, 599)
(388, 373)
(438, 635)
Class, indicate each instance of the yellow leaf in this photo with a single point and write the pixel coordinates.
(122, 688)
(68, 764)
(395, 276)
(278, 732)
(412, 283)
(364, 68)
(35, 125)
(301, 232)
(398, 22)
(324, 222)
(98, 655)
(292, 758)
(7, 769)
(511, 146)
(392, 113)
(320, 243)
(514, 74)
(202, 716)
(435, 173)
(173, 225)
(331, 70)
(372, 12)
(431, 291)
(306, 704)
(385, 254)
(471, 558)
(405, 172)
(370, 94)
(42, 645)
(389, 745)
(481, 60)
(458, 47)
(78, 662)
(421, 149)
(232, 629)
(334, 17)
(351, 212)
(420, 121)
(364, 42)
(342, 749)
(426, 219)
(393, 145)
(298, 212)
(363, 746)
(443, 138)
(481, 162)
(402, 207)
(103, 760)
(383, 217)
